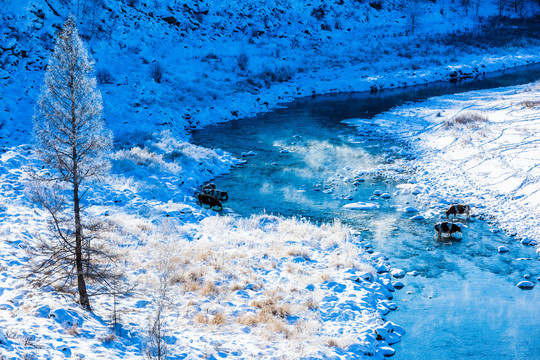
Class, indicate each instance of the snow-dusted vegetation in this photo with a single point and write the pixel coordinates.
(196, 285)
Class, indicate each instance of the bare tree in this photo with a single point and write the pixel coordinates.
(70, 138)
(465, 4)
(156, 347)
(501, 4)
(412, 11)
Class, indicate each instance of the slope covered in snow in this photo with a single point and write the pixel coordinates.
(164, 67)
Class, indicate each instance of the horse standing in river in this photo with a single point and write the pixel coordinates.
(459, 209)
(447, 228)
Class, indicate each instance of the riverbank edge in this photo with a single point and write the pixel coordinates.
(281, 97)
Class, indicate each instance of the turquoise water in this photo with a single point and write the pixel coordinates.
(464, 303)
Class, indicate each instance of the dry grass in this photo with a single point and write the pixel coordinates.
(218, 319)
(107, 339)
(332, 343)
(325, 277)
(73, 330)
(208, 288)
(229, 254)
(298, 250)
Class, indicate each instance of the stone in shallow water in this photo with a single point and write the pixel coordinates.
(525, 285)
(413, 273)
(393, 338)
(386, 351)
(411, 209)
(397, 273)
(503, 249)
(249, 153)
(418, 218)
(398, 285)
(361, 206)
(377, 193)
(386, 196)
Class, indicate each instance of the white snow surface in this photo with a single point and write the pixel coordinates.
(479, 148)
(262, 287)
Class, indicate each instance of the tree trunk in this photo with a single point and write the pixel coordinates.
(81, 283)
(83, 295)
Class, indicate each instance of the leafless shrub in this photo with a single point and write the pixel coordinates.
(469, 119)
(311, 304)
(107, 339)
(242, 60)
(269, 76)
(319, 12)
(156, 71)
(531, 104)
(271, 306)
(104, 76)
(155, 347)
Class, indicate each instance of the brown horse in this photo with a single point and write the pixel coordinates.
(459, 209)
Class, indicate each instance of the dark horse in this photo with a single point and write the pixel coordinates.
(446, 228)
(211, 201)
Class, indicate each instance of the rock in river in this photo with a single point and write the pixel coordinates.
(361, 206)
(503, 249)
(397, 273)
(525, 285)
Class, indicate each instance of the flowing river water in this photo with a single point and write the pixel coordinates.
(463, 304)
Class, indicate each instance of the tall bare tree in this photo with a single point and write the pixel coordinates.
(71, 140)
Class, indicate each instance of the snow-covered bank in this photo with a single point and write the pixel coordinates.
(479, 148)
(259, 287)
(217, 63)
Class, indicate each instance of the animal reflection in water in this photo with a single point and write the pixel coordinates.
(446, 228)
(212, 197)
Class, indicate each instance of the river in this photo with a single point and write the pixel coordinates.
(302, 160)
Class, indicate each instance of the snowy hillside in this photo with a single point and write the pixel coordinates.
(221, 60)
(226, 287)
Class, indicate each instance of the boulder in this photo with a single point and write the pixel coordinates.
(361, 206)
(503, 249)
(397, 273)
(525, 285)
